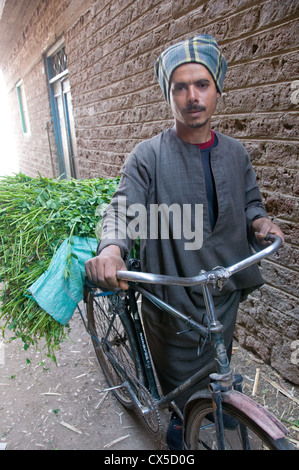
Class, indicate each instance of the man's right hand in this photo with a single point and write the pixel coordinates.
(102, 269)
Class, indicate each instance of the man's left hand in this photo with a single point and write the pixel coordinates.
(262, 226)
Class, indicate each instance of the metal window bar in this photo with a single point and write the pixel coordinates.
(59, 62)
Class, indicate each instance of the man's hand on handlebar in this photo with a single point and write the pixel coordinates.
(102, 269)
(262, 227)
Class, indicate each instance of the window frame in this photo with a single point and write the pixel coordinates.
(23, 109)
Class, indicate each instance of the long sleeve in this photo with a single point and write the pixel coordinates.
(125, 218)
(253, 200)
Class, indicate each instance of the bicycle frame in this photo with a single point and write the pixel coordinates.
(214, 330)
(221, 380)
(223, 385)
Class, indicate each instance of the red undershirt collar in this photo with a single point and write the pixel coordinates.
(207, 144)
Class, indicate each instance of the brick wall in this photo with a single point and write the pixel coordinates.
(33, 149)
(117, 103)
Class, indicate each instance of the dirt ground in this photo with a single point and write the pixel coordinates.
(63, 407)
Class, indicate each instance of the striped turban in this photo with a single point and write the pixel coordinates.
(201, 49)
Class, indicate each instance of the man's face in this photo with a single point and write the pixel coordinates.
(193, 95)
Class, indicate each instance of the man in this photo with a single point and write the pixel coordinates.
(189, 165)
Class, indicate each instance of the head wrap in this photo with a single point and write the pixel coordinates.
(201, 49)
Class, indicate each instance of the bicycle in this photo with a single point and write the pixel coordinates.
(114, 322)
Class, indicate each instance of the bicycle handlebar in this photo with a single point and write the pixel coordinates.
(217, 275)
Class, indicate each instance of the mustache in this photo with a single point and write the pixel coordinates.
(194, 107)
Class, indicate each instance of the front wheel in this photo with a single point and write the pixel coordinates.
(200, 432)
(115, 343)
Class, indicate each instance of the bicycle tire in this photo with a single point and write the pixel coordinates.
(200, 432)
(114, 343)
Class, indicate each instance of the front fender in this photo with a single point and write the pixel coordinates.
(255, 412)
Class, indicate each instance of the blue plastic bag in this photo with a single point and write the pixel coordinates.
(59, 290)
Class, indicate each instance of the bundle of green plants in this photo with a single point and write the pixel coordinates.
(36, 216)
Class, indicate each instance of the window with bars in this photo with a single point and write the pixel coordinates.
(57, 63)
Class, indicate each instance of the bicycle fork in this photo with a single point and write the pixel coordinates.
(223, 380)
